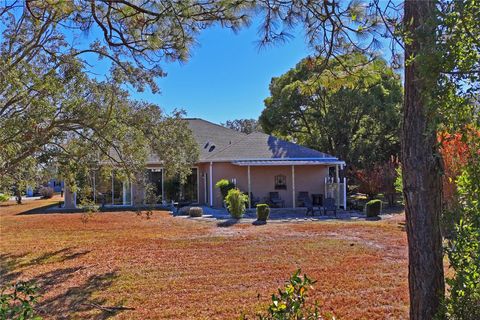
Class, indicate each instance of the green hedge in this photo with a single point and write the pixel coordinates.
(263, 211)
(373, 208)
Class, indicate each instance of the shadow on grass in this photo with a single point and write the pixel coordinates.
(228, 223)
(41, 210)
(80, 301)
(11, 265)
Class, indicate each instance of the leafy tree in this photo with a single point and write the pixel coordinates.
(441, 55)
(244, 125)
(352, 113)
(51, 111)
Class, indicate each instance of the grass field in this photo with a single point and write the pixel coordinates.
(174, 268)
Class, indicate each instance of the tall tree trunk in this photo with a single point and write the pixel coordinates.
(421, 168)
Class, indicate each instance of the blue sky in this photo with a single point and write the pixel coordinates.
(227, 76)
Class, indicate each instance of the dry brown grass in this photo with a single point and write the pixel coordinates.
(175, 268)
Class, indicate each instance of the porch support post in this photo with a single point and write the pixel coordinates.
(211, 184)
(249, 189)
(293, 186)
(337, 176)
(163, 182)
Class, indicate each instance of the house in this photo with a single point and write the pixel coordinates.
(256, 163)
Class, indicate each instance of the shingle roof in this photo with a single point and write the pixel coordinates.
(211, 137)
(231, 145)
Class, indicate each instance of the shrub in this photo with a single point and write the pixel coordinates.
(463, 250)
(236, 200)
(17, 302)
(224, 185)
(373, 208)
(263, 211)
(195, 212)
(4, 197)
(184, 211)
(290, 303)
(46, 192)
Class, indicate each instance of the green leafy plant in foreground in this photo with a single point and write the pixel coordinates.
(18, 301)
(291, 302)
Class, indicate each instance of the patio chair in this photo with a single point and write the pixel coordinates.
(317, 199)
(310, 207)
(275, 200)
(302, 198)
(329, 205)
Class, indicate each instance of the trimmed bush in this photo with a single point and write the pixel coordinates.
(184, 211)
(46, 192)
(4, 197)
(224, 185)
(236, 201)
(263, 211)
(195, 212)
(373, 208)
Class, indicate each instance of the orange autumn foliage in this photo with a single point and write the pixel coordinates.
(455, 149)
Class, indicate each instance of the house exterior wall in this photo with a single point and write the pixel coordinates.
(309, 178)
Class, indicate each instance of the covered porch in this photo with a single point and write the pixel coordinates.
(286, 179)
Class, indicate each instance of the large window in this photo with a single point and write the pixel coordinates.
(112, 190)
(155, 179)
(189, 190)
(171, 187)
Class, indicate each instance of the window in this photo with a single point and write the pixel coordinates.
(280, 182)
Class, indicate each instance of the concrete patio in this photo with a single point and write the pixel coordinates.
(280, 215)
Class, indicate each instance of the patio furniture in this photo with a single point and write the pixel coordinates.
(317, 199)
(302, 198)
(329, 205)
(275, 200)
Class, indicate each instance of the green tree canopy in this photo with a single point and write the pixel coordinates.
(350, 109)
(244, 125)
(52, 112)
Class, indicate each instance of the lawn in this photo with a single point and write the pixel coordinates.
(175, 268)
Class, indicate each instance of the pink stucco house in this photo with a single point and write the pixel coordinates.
(258, 164)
